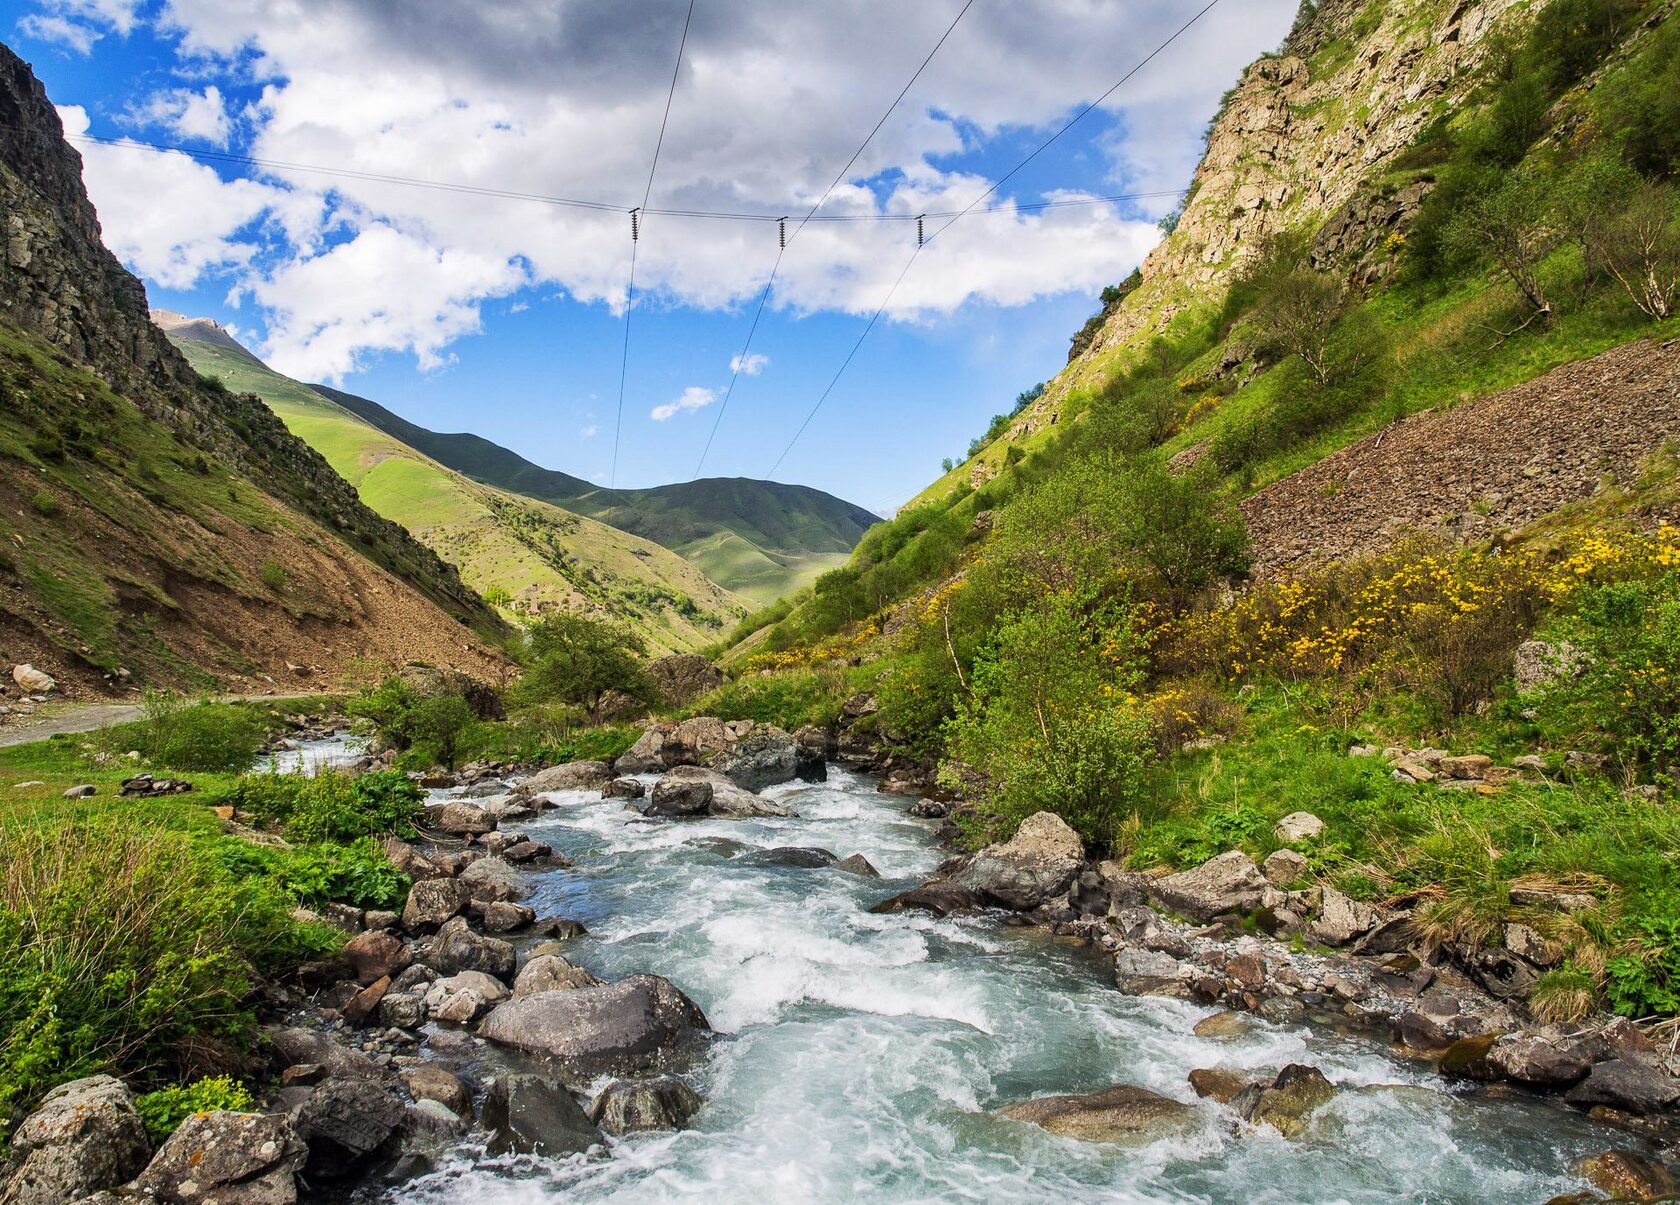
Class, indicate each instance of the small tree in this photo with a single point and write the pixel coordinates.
(577, 659)
(1639, 244)
(1513, 225)
(1299, 316)
(436, 723)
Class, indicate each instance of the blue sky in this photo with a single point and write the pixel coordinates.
(505, 317)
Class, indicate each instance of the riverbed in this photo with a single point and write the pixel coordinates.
(859, 1057)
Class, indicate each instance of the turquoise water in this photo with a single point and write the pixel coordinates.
(859, 1057)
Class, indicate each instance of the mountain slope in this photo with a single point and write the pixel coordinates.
(761, 539)
(156, 524)
(530, 553)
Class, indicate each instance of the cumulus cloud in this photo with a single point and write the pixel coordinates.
(692, 398)
(566, 98)
(749, 365)
(188, 115)
(78, 24)
(590, 432)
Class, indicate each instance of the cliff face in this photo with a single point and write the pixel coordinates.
(58, 282)
(1298, 142)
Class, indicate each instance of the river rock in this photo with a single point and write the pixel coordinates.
(529, 1113)
(361, 1007)
(573, 776)
(428, 1081)
(431, 902)
(228, 1159)
(624, 788)
(551, 973)
(1223, 1025)
(457, 948)
(33, 681)
(376, 954)
(694, 741)
(460, 819)
(1628, 1176)
(859, 865)
(942, 897)
(492, 879)
(1342, 919)
(347, 1123)
(646, 756)
(411, 861)
(1033, 867)
(1539, 1060)
(680, 796)
(1230, 882)
(763, 758)
(503, 917)
(1297, 827)
(1628, 1084)
(630, 1106)
(85, 1136)
(1121, 1114)
(1220, 1084)
(1287, 1101)
(428, 1125)
(791, 855)
(695, 790)
(630, 1024)
(294, 1044)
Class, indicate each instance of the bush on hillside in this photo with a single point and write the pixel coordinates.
(177, 734)
(577, 659)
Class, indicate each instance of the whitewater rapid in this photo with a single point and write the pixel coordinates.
(859, 1057)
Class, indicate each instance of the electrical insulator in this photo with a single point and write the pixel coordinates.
(782, 224)
(635, 225)
(920, 217)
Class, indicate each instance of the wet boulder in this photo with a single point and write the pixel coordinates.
(1122, 1114)
(1230, 882)
(1629, 1176)
(530, 1113)
(236, 1158)
(765, 757)
(457, 948)
(694, 741)
(802, 857)
(942, 897)
(85, 1136)
(631, 1106)
(573, 776)
(624, 788)
(1286, 1103)
(1221, 1084)
(460, 819)
(411, 861)
(490, 880)
(428, 1081)
(1538, 1060)
(347, 1125)
(376, 954)
(1033, 867)
(1630, 1085)
(551, 973)
(697, 791)
(859, 865)
(631, 1024)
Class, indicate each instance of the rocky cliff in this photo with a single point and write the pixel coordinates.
(59, 282)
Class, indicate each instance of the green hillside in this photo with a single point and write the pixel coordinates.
(761, 539)
(524, 554)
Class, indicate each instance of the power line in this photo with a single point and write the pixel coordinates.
(783, 238)
(630, 291)
(722, 215)
(920, 243)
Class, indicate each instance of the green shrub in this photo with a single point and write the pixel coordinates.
(179, 735)
(273, 576)
(578, 659)
(331, 806)
(163, 1111)
(436, 725)
(1646, 981)
(45, 504)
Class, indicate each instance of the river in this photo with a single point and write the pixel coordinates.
(858, 1056)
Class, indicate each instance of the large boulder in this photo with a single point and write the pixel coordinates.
(1033, 867)
(459, 818)
(1123, 1114)
(229, 1159)
(375, 954)
(431, 902)
(1342, 919)
(573, 776)
(631, 1024)
(528, 1113)
(411, 861)
(646, 756)
(697, 791)
(31, 680)
(630, 1106)
(84, 1137)
(347, 1124)
(551, 973)
(1629, 1085)
(1286, 1102)
(681, 678)
(801, 857)
(694, 741)
(1229, 883)
(763, 758)
(489, 880)
(457, 948)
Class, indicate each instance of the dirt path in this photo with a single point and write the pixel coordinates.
(56, 719)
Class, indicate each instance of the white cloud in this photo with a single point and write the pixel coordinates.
(199, 116)
(590, 432)
(692, 398)
(749, 365)
(78, 24)
(565, 97)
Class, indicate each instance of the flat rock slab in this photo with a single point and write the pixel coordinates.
(1122, 1114)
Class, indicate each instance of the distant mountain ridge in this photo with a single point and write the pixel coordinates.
(761, 539)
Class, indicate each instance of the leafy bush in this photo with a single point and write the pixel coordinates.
(1645, 982)
(45, 504)
(179, 735)
(1049, 725)
(163, 1111)
(331, 806)
(358, 874)
(578, 659)
(436, 725)
(123, 950)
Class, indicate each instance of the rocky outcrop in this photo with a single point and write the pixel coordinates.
(1033, 868)
(84, 1137)
(629, 1025)
(229, 1159)
(1226, 884)
(681, 678)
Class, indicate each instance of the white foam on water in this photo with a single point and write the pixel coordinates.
(862, 1057)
